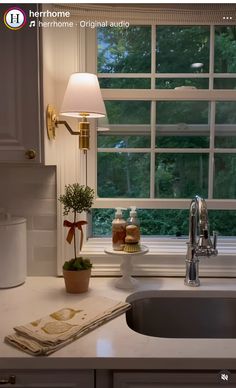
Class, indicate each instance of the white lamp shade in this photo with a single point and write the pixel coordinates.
(83, 95)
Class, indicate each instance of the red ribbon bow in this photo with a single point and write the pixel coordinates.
(71, 233)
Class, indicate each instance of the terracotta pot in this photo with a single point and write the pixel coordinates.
(77, 281)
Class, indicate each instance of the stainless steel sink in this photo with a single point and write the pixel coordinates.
(181, 314)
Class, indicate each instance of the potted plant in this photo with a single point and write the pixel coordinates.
(77, 271)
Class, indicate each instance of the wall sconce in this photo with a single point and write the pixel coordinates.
(82, 99)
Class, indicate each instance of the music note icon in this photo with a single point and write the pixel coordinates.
(32, 23)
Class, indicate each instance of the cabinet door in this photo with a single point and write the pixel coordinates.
(19, 92)
(48, 379)
(173, 379)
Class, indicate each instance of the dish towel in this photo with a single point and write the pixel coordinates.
(48, 334)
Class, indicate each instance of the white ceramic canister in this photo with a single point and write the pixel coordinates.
(13, 250)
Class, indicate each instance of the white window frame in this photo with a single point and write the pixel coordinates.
(225, 264)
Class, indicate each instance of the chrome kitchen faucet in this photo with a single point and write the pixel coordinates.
(199, 243)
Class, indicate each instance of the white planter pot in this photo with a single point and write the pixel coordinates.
(13, 251)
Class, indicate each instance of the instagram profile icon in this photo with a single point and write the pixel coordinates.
(15, 18)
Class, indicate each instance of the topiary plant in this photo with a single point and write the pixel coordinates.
(77, 198)
(77, 264)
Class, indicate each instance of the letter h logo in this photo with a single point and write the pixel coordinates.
(15, 18)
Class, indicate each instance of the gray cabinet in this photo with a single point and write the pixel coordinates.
(164, 379)
(20, 117)
(173, 379)
(115, 379)
(47, 379)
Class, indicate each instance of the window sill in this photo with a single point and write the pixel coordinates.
(166, 257)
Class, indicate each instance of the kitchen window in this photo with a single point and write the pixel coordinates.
(161, 136)
(170, 97)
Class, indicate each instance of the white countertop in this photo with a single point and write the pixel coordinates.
(113, 345)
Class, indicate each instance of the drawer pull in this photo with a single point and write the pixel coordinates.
(10, 380)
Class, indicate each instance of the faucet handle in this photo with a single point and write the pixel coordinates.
(205, 245)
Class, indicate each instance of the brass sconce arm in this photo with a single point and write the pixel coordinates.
(67, 126)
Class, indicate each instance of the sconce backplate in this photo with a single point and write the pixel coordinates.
(51, 122)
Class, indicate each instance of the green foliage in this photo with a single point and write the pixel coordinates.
(128, 112)
(123, 175)
(77, 198)
(225, 174)
(124, 50)
(170, 222)
(188, 112)
(77, 264)
(165, 222)
(224, 221)
(226, 112)
(181, 175)
(225, 49)
(178, 47)
(101, 221)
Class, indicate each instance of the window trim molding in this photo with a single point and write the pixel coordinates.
(162, 203)
(165, 95)
(166, 257)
